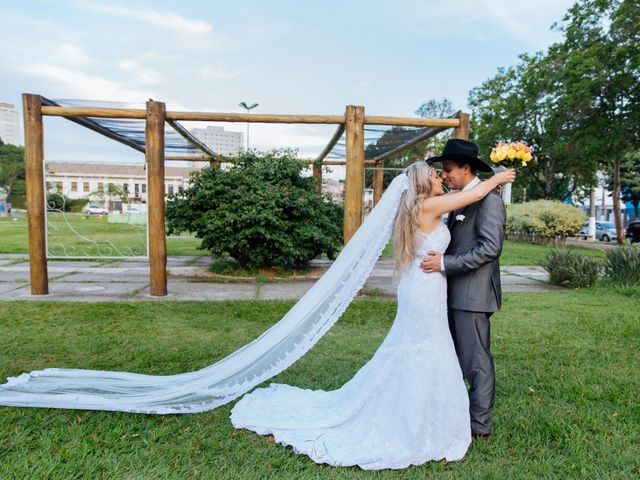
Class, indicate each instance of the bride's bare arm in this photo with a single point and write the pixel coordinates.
(436, 206)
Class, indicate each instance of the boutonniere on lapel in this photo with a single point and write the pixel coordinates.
(460, 218)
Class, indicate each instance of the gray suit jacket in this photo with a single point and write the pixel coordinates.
(471, 260)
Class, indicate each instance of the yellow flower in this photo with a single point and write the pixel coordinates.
(493, 156)
(527, 157)
(502, 154)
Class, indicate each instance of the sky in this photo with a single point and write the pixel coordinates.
(291, 57)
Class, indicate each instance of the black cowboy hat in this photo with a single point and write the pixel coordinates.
(461, 150)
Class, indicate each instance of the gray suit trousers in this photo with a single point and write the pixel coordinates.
(470, 332)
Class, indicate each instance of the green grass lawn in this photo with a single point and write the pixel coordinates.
(80, 235)
(568, 380)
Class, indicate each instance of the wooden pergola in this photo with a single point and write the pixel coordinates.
(156, 116)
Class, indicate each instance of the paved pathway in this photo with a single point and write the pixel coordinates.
(89, 280)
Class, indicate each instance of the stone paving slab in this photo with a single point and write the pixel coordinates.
(289, 290)
(79, 292)
(14, 275)
(6, 261)
(182, 290)
(6, 287)
(90, 277)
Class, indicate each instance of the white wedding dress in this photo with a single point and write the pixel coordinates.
(406, 406)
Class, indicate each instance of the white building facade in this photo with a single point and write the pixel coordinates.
(92, 180)
(219, 140)
(9, 123)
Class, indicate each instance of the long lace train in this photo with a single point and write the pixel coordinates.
(275, 350)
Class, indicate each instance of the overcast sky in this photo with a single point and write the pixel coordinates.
(310, 57)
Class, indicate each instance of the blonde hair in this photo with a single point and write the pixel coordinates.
(419, 178)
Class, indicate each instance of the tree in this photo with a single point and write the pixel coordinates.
(12, 168)
(599, 59)
(522, 103)
(398, 135)
(262, 212)
(117, 191)
(630, 180)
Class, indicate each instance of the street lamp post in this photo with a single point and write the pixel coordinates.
(248, 108)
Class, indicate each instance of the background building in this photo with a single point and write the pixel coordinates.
(92, 180)
(9, 123)
(219, 140)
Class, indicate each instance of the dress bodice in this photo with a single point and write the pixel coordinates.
(437, 240)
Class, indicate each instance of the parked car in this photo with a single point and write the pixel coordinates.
(633, 232)
(605, 231)
(94, 209)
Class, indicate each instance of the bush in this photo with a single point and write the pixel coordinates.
(622, 266)
(570, 269)
(543, 221)
(261, 212)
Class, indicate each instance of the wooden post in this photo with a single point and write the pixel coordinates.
(354, 181)
(317, 177)
(462, 131)
(378, 181)
(36, 210)
(154, 139)
(215, 162)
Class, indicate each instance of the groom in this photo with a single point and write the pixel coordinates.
(473, 276)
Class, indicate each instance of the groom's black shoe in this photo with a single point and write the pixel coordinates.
(483, 436)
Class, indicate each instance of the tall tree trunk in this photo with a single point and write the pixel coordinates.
(617, 213)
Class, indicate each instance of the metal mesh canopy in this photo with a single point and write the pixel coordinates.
(381, 141)
(131, 132)
(384, 140)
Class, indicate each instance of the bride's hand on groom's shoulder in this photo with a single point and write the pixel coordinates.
(506, 176)
(432, 262)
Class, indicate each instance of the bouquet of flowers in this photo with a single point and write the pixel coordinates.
(510, 155)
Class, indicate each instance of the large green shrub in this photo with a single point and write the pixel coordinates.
(570, 269)
(262, 212)
(543, 221)
(622, 266)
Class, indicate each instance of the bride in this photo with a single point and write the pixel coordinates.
(409, 403)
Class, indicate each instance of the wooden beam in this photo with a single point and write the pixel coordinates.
(378, 182)
(354, 181)
(332, 143)
(154, 138)
(36, 210)
(93, 112)
(253, 117)
(246, 117)
(317, 177)
(329, 163)
(412, 122)
(462, 131)
(188, 158)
